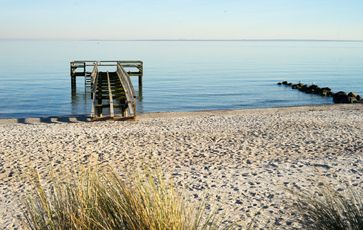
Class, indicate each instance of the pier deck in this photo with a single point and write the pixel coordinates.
(112, 92)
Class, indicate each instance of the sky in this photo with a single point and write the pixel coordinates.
(181, 19)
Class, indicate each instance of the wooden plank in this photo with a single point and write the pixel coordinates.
(113, 118)
(94, 77)
(112, 114)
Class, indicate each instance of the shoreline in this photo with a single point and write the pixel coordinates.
(240, 162)
(85, 118)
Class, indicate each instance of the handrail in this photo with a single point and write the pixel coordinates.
(128, 81)
(110, 97)
(94, 76)
(90, 62)
(129, 89)
(131, 61)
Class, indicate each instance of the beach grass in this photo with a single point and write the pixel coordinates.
(99, 199)
(331, 210)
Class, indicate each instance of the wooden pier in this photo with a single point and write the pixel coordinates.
(111, 91)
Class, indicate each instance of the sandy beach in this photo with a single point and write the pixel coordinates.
(241, 162)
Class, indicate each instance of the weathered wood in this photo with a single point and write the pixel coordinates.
(112, 113)
(137, 65)
(113, 90)
(140, 82)
(94, 77)
(129, 90)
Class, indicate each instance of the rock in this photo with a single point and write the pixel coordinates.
(303, 88)
(351, 94)
(326, 89)
(352, 100)
(325, 166)
(314, 86)
(354, 97)
(278, 221)
(299, 85)
(273, 165)
(308, 89)
(312, 89)
(239, 202)
(288, 222)
(325, 92)
(253, 194)
(340, 97)
(11, 173)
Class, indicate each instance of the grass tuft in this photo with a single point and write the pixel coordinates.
(100, 199)
(331, 210)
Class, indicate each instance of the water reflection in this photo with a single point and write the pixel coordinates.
(81, 98)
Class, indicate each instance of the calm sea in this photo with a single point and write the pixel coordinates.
(179, 75)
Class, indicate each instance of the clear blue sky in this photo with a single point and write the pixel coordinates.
(181, 19)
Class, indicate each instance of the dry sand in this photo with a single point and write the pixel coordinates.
(241, 162)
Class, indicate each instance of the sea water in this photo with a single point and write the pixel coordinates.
(178, 75)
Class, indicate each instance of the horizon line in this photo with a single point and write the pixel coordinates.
(176, 40)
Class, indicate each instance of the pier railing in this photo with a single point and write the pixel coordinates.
(129, 89)
(94, 78)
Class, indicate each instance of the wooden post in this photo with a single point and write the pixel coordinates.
(72, 68)
(99, 94)
(73, 85)
(140, 82)
(112, 113)
(140, 88)
(141, 73)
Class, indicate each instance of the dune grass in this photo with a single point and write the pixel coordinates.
(331, 210)
(100, 199)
